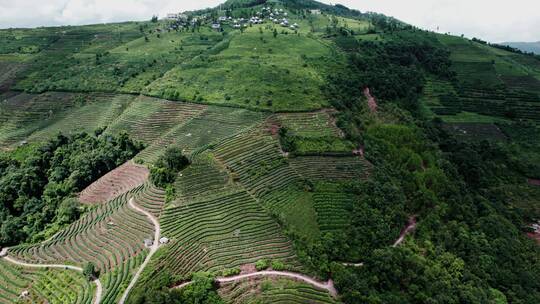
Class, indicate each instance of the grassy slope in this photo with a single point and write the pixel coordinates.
(255, 70)
(252, 69)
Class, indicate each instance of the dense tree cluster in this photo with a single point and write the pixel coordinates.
(202, 290)
(469, 246)
(164, 171)
(36, 185)
(90, 272)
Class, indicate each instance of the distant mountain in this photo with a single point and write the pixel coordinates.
(525, 46)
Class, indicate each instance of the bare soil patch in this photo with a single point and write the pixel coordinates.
(247, 268)
(411, 225)
(115, 183)
(372, 102)
(535, 235)
(534, 182)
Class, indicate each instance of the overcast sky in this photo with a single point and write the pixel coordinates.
(492, 20)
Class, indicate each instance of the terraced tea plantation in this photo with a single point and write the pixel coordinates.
(220, 232)
(100, 237)
(110, 237)
(270, 290)
(491, 82)
(26, 285)
(266, 152)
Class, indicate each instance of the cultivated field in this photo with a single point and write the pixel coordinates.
(43, 286)
(272, 290)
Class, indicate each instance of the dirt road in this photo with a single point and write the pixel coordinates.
(329, 286)
(99, 287)
(153, 249)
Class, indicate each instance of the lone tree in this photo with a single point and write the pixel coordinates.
(90, 272)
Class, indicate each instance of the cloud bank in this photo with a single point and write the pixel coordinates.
(496, 21)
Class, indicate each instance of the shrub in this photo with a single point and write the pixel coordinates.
(261, 265)
(231, 272)
(287, 142)
(278, 265)
(90, 272)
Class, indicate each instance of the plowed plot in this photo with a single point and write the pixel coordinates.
(115, 183)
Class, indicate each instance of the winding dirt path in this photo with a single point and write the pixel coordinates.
(153, 249)
(372, 103)
(409, 228)
(411, 225)
(329, 285)
(352, 264)
(99, 287)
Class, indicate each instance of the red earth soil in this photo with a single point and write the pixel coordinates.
(534, 182)
(248, 268)
(409, 228)
(359, 151)
(535, 235)
(372, 103)
(115, 183)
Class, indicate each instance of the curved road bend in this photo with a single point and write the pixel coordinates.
(329, 286)
(99, 287)
(153, 249)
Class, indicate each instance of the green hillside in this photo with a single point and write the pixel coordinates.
(296, 152)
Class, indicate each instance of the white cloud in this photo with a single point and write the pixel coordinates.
(517, 20)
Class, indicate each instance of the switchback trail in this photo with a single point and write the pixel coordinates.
(329, 286)
(153, 249)
(99, 287)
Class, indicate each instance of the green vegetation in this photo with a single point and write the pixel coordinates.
(53, 286)
(254, 70)
(164, 171)
(262, 265)
(202, 290)
(266, 151)
(89, 271)
(265, 290)
(36, 191)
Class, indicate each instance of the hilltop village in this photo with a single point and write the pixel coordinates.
(225, 18)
